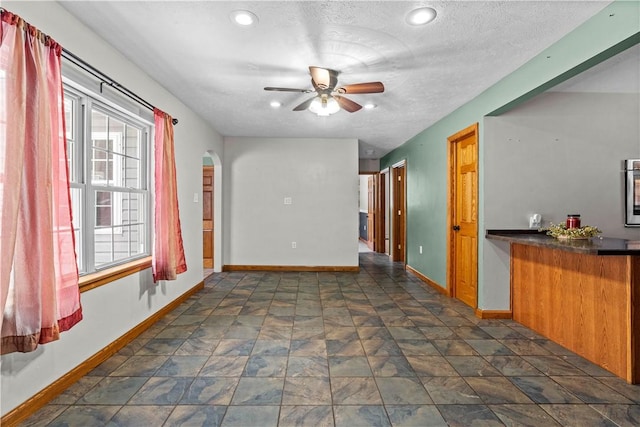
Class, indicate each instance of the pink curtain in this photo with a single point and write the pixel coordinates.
(168, 252)
(39, 277)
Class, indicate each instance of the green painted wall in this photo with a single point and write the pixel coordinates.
(614, 29)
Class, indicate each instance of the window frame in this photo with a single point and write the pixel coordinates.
(85, 102)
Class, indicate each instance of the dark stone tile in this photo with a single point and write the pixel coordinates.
(453, 347)
(344, 348)
(523, 415)
(553, 365)
(306, 415)
(544, 390)
(472, 366)
(381, 347)
(307, 366)
(403, 391)
(415, 415)
(525, 347)
(417, 348)
(112, 391)
(349, 366)
(224, 366)
(210, 391)
(355, 391)
(390, 366)
(95, 415)
(578, 416)
(469, 415)
(623, 415)
(234, 347)
(307, 391)
(308, 348)
(450, 390)
(140, 415)
(489, 347)
(43, 416)
(266, 366)
(355, 415)
(436, 366)
(630, 391)
(161, 391)
(196, 416)
(181, 366)
(496, 390)
(140, 366)
(513, 366)
(590, 390)
(244, 416)
(258, 391)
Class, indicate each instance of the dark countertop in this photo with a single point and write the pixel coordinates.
(593, 246)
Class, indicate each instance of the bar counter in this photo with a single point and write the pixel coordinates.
(582, 294)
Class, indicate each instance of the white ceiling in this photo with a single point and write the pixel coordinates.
(220, 69)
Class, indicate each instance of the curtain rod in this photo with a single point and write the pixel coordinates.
(104, 79)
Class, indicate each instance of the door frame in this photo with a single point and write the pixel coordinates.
(398, 227)
(451, 203)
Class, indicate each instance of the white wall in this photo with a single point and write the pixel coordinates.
(560, 153)
(320, 176)
(113, 309)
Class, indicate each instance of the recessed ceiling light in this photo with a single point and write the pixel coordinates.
(370, 106)
(275, 104)
(244, 18)
(421, 16)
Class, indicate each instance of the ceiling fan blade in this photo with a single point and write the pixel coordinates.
(288, 89)
(305, 104)
(347, 104)
(323, 78)
(371, 87)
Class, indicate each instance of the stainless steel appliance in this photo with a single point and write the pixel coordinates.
(632, 193)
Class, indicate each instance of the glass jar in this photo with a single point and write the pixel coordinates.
(573, 221)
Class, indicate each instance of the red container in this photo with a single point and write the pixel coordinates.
(573, 221)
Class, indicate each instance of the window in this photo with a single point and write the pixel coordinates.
(108, 171)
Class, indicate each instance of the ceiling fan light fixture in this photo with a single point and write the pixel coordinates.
(421, 16)
(244, 18)
(275, 104)
(324, 106)
(370, 106)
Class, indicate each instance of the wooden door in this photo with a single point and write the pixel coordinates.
(207, 216)
(463, 215)
(380, 215)
(399, 214)
(370, 211)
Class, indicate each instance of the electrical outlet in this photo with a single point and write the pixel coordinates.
(294, 245)
(195, 197)
(288, 201)
(420, 248)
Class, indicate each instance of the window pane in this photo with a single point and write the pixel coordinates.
(76, 211)
(68, 117)
(132, 173)
(99, 130)
(133, 142)
(116, 135)
(117, 178)
(136, 208)
(103, 209)
(137, 239)
(120, 243)
(103, 247)
(100, 167)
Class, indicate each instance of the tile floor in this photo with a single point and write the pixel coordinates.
(377, 348)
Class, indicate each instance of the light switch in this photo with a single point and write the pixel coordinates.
(195, 197)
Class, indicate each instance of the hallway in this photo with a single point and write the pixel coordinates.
(375, 348)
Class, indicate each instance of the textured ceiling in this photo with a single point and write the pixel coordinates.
(219, 69)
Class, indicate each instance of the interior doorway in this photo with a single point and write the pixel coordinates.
(399, 220)
(367, 214)
(207, 216)
(462, 242)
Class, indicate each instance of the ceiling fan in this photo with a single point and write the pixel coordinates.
(329, 98)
